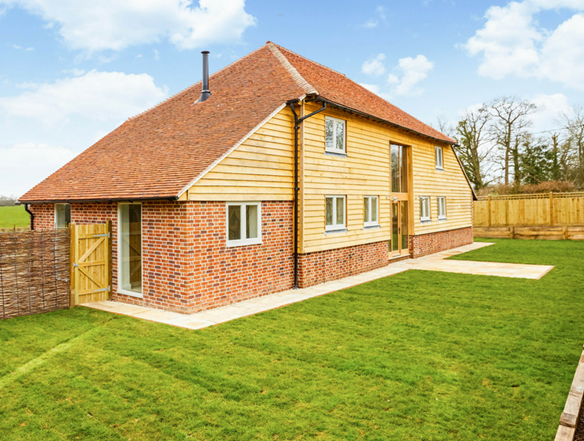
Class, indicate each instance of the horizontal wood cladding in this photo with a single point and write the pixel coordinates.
(450, 183)
(365, 171)
(260, 169)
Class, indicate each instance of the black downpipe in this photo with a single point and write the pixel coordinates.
(31, 216)
(297, 122)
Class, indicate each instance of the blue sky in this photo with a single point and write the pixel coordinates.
(73, 70)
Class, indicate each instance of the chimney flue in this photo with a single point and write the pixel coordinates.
(205, 92)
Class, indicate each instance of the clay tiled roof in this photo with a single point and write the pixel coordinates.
(160, 152)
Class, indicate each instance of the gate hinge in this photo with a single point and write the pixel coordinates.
(102, 235)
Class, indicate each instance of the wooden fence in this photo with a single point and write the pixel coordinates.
(34, 272)
(530, 216)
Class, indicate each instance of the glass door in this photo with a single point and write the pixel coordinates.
(130, 248)
(400, 200)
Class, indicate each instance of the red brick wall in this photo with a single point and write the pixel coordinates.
(323, 266)
(225, 275)
(187, 266)
(430, 243)
(44, 216)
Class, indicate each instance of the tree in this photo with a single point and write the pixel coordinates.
(536, 161)
(574, 126)
(510, 119)
(472, 149)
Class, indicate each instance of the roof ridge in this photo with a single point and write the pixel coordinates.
(296, 76)
(193, 85)
(309, 60)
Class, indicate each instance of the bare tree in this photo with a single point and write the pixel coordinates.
(574, 125)
(508, 128)
(473, 148)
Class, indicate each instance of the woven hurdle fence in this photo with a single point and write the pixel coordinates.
(34, 272)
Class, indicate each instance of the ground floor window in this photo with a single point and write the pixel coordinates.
(371, 211)
(335, 213)
(62, 215)
(130, 249)
(441, 200)
(425, 208)
(243, 223)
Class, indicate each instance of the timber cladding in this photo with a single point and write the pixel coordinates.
(34, 272)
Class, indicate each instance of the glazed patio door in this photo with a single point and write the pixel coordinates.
(400, 205)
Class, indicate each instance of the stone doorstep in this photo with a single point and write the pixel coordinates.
(434, 262)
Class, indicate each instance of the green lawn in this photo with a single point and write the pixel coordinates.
(417, 356)
(15, 215)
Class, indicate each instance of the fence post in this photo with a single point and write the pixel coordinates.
(489, 211)
(73, 242)
(551, 209)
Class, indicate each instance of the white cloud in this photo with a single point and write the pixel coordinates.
(372, 87)
(513, 43)
(550, 111)
(20, 48)
(24, 165)
(104, 96)
(374, 66)
(112, 24)
(75, 72)
(374, 22)
(410, 71)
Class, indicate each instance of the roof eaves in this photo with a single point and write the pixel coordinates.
(391, 123)
(299, 79)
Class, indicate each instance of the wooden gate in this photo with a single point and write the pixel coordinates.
(91, 255)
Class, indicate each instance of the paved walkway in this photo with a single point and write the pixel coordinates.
(434, 262)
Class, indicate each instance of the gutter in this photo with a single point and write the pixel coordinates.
(31, 214)
(297, 122)
(80, 201)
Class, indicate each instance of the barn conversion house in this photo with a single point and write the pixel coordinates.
(274, 172)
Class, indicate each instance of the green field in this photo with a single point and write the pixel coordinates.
(15, 215)
(417, 356)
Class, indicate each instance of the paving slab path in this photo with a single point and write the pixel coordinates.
(434, 262)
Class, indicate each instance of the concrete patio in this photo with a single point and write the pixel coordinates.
(434, 262)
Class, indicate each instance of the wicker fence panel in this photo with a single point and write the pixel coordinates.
(34, 272)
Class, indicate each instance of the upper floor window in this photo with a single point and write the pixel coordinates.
(441, 200)
(243, 223)
(334, 213)
(399, 169)
(371, 211)
(335, 135)
(439, 158)
(425, 208)
(62, 215)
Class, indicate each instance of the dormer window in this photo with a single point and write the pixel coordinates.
(335, 135)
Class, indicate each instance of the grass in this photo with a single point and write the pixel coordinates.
(14, 215)
(417, 356)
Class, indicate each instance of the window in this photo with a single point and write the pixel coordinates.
(130, 249)
(399, 169)
(441, 207)
(371, 211)
(335, 213)
(424, 208)
(62, 215)
(334, 135)
(244, 223)
(439, 158)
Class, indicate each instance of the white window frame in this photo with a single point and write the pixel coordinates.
(425, 217)
(119, 251)
(335, 226)
(439, 154)
(369, 222)
(243, 224)
(441, 216)
(56, 226)
(334, 149)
